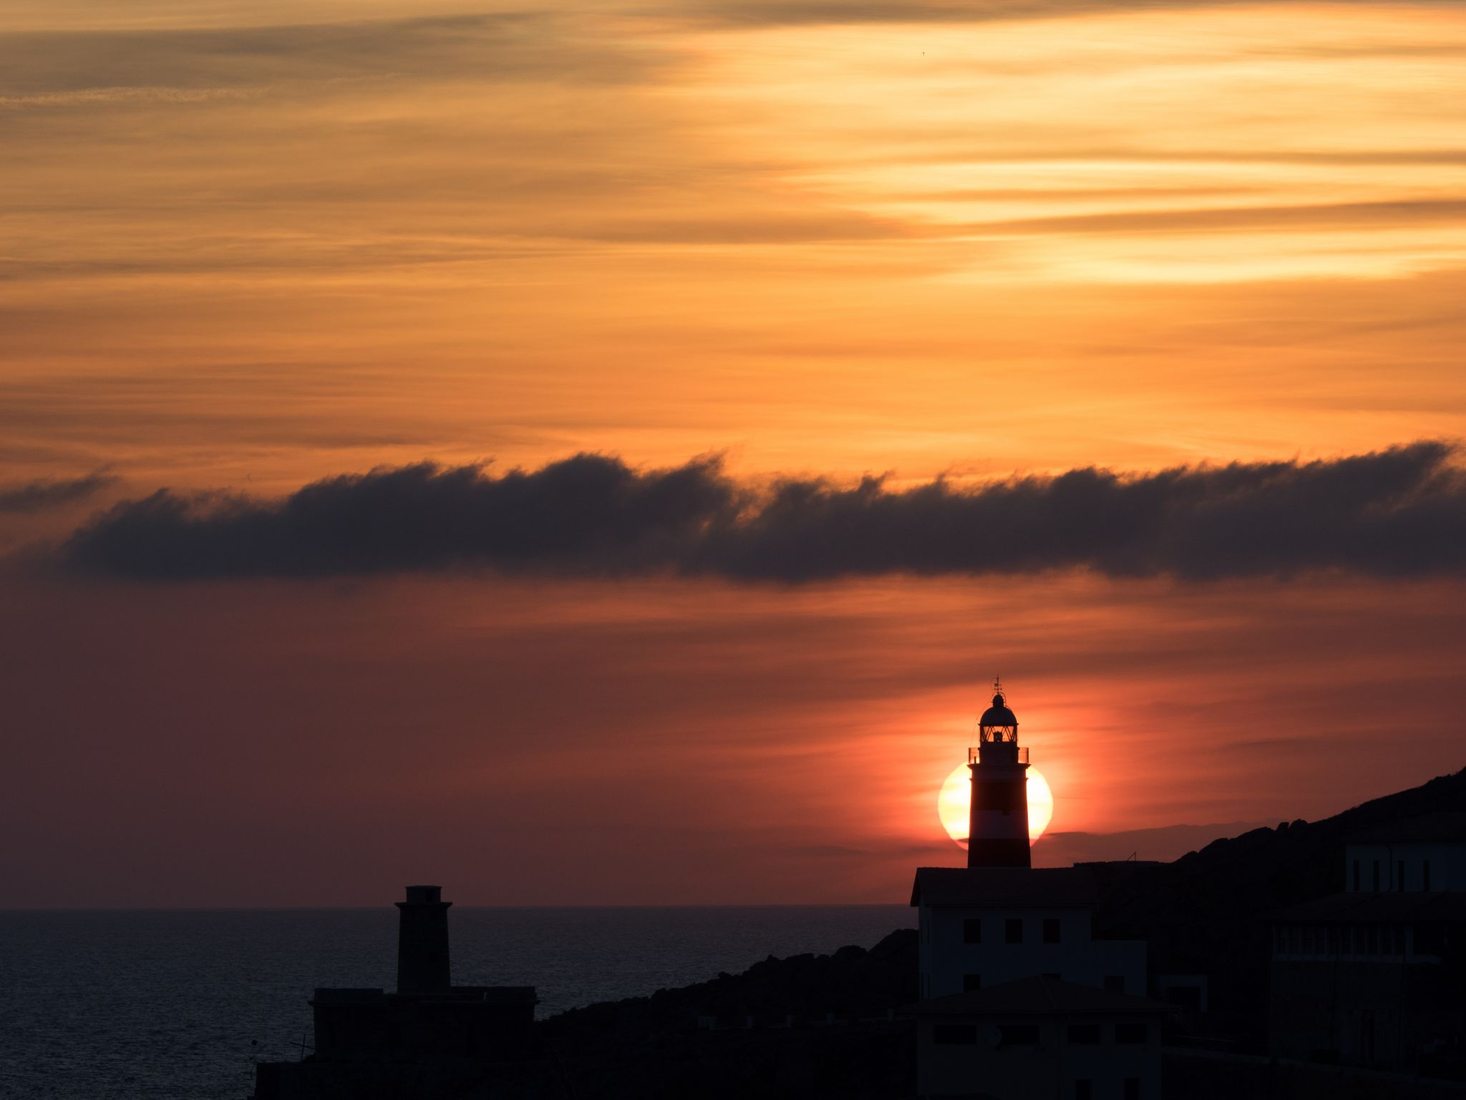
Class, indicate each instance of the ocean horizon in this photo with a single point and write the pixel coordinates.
(179, 1003)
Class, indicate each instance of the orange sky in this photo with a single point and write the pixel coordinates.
(248, 245)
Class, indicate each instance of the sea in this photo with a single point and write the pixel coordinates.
(165, 1004)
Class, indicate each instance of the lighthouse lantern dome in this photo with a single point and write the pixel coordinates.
(998, 723)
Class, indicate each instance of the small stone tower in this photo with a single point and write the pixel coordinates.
(422, 942)
(997, 828)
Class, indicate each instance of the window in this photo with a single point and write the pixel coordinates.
(1132, 1088)
(951, 1035)
(1376, 876)
(1400, 876)
(1083, 1089)
(1051, 930)
(1084, 1034)
(1013, 930)
(1425, 874)
(1356, 876)
(972, 930)
(1018, 1035)
(1114, 983)
(1131, 1031)
(971, 982)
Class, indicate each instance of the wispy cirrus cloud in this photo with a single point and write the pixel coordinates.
(757, 13)
(489, 47)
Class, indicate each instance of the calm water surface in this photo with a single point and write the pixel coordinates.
(178, 1004)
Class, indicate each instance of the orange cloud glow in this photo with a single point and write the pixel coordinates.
(269, 242)
(248, 245)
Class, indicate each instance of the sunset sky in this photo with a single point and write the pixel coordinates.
(1115, 348)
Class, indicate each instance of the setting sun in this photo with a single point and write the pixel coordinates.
(956, 794)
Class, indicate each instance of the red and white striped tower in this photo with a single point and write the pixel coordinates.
(997, 824)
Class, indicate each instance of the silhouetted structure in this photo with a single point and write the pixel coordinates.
(1010, 972)
(428, 1038)
(997, 818)
(1039, 1037)
(422, 942)
(1376, 975)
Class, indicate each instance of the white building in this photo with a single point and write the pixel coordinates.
(1039, 1037)
(980, 927)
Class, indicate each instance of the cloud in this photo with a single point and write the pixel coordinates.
(43, 68)
(583, 515)
(38, 496)
(779, 12)
(1245, 217)
(1398, 512)
(776, 12)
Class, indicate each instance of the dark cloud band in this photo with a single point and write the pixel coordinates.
(37, 496)
(1398, 512)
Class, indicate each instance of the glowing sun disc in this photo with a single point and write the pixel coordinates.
(952, 804)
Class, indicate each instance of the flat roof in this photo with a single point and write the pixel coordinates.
(1442, 827)
(1381, 908)
(348, 996)
(1039, 996)
(496, 994)
(458, 994)
(1004, 887)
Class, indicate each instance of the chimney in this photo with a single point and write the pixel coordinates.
(422, 942)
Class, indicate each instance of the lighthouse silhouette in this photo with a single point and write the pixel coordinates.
(997, 823)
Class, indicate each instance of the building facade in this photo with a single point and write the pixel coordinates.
(1376, 975)
(1039, 1037)
(980, 927)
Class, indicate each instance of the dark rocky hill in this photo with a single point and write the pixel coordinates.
(808, 1025)
(1207, 912)
(826, 1024)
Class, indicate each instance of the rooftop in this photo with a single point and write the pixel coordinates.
(1038, 996)
(1417, 907)
(1443, 826)
(1005, 887)
(459, 994)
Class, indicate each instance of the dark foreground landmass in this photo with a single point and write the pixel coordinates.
(809, 1025)
(831, 1025)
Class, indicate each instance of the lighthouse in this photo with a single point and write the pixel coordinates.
(422, 942)
(997, 827)
(1018, 996)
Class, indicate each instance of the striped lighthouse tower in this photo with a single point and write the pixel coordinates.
(997, 828)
